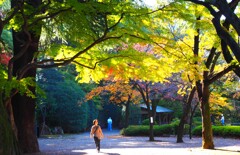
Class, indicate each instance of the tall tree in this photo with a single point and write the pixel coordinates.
(100, 25)
(201, 67)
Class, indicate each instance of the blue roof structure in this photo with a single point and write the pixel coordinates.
(159, 109)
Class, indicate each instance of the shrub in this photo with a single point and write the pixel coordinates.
(143, 130)
(224, 131)
(197, 131)
(197, 121)
(146, 122)
(174, 125)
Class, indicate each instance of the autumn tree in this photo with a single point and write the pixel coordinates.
(100, 25)
(197, 57)
(151, 94)
(120, 93)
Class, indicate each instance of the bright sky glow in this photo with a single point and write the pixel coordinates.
(151, 2)
(156, 3)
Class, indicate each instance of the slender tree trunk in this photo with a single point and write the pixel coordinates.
(184, 117)
(150, 115)
(190, 125)
(151, 133)
(154, 107)
(207, 136)
(127, 113)
(191, 120)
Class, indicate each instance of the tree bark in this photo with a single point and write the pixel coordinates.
(151, 133)
(146, 99)
(8, 141)
(184, 117)
(127, 112)
(25, 47)
(24, 106)
(191, 120)
(207, 136)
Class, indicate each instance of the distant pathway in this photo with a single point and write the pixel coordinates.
(114, 144)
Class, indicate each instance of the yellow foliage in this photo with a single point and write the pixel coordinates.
(216, 100)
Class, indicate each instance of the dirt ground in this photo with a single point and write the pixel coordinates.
(114, 144)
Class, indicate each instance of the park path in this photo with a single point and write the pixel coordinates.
(115, 144)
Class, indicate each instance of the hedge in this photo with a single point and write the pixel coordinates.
(223, 131)
(143, 130)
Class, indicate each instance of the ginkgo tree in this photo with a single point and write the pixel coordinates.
(195, 45)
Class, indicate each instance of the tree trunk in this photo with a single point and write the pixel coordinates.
(184, 117)
(151, 133)
(8, 141)
(154, 107)
(24, 114)
(180, 130)
(24, 106)
(127, 113)
(150, 115)
(190, 125)
(207, 136)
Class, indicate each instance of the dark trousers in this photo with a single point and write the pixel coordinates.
(97, 142)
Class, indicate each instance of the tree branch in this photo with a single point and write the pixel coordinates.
(220, 74)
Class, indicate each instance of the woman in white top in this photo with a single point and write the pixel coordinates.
(96, 133)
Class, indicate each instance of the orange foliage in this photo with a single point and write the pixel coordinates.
(120, 92)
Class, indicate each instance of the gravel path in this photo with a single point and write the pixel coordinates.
(114, 144)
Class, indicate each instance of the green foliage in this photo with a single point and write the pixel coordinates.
(22, 86)
(159, 130)
(143, 130)
(134, 115)
(147, 122)
(7, 39)
(197, 121)
(222, 131)
(63, 102)
(175, 122)
(176, 106)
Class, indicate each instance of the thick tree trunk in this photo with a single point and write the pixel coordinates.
(8, 141)
(207, 135)
(24, 112)
(24, 106)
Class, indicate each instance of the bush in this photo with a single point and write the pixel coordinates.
(175, 122)
(224, 131)
(143, 130)
(146, 122)
(197, 121)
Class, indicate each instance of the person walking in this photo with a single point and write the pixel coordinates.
(96, 133)
(109, 124)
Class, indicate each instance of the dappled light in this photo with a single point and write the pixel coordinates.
(163, 74)
(113, 143)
